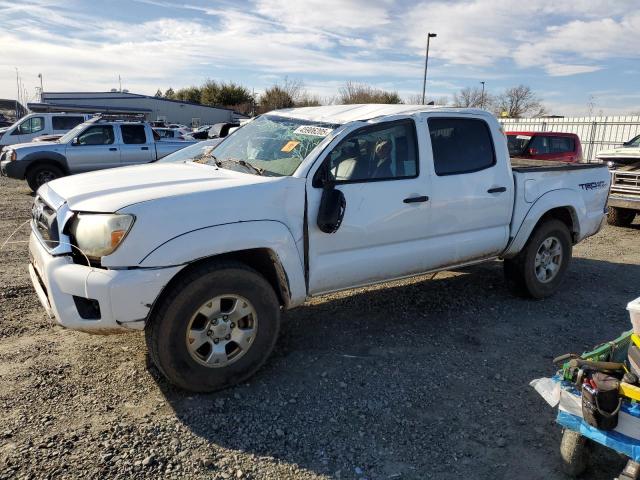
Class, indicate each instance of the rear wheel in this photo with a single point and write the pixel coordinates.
(620, 217)
(537, 271)
(38, 175)
(215, 328)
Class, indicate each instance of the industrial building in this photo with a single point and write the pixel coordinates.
(153, 108)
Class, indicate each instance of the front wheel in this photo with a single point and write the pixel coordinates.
(215, 327)
(537, 271)
(40, 174)
(574, 450)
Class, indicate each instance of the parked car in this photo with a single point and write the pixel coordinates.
(173, 134)
(38, 124)
(558, 146)
(93, 145)
(201, 133)
(624, 200)
(221, 130)
(295, 204)
(198, 152)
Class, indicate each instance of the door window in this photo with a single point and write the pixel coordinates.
(97, 135)
(66, 122)
(30, 125)
(133, 134)
(382, 152)
(460, 145)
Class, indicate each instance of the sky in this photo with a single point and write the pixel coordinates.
(578, 56)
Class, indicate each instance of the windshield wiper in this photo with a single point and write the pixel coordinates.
(242, 163)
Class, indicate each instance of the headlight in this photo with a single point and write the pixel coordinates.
(99, 234)
(11, 155)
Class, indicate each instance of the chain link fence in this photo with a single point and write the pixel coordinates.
(596, 133)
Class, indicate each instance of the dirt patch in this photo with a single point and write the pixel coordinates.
(413, 379)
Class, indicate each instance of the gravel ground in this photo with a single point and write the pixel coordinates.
(409, 380)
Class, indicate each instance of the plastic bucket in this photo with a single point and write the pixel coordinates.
(634, 313)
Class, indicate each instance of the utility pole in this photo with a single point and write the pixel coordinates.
(482, 96)
(120, 82)
(426, 62)
(41, 89)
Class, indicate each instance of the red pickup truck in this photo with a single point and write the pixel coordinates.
(558, 146)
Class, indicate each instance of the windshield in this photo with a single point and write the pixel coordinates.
(517, 144)
(71, 134)
(198, 152)
(274, 145)
(634, 142)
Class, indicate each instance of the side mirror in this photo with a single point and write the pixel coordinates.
(75, 141)
(332, 208)
(533, 151)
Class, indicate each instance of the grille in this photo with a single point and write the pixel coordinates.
(627, 183)
(45, 223)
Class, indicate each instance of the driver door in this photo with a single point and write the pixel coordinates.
(93, 149)
(383, 232)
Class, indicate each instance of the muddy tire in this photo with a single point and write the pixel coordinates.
(38, 175)
(215, 327)
(620, 217)
(574, 451)
(538, 270)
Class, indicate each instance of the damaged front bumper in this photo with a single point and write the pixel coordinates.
(92, 299)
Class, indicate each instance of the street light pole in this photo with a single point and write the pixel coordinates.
(482, 96)
(426, 62)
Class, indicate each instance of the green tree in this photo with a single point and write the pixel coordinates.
(169, 93)
(274, 98)
(158, 93)
(188, 94)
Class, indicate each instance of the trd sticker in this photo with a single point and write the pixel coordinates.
(593, 185)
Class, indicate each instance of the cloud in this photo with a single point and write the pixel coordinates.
(563, 70)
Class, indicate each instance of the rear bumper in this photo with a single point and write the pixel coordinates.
(123, 297)
(620, 201)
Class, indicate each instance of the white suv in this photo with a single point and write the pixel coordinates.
(38, 124)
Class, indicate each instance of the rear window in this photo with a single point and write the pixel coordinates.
(460, 145)
(561, 144)
(133, 134)
(66, 122)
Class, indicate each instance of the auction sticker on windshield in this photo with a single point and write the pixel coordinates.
(313, 130)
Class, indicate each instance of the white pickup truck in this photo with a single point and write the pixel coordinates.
(205, 255)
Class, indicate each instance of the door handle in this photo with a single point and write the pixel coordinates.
(144, 148)
(497, 190)
(423, 198)
(113, 149)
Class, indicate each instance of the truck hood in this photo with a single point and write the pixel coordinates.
(38, 145)
(111, 190)
(620, 152)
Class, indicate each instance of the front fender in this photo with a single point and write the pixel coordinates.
(561, 198)
(234, 237)
(40, 156)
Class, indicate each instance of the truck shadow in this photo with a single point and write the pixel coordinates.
(425, 376)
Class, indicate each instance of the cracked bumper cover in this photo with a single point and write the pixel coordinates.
(124, 297)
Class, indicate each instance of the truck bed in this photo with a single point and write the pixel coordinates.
(528, 165)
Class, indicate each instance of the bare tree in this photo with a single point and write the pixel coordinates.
(472, 97)
(416, 99)
(518, 102)
(362, 93)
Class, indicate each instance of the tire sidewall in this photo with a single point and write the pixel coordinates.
(552, 228)
(173, 355)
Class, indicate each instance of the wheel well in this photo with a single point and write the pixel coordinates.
(566, 215)
(262, 260)
(39, 163)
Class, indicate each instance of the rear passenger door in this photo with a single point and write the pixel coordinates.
(63, 123)
(471, 190)
(135, 146)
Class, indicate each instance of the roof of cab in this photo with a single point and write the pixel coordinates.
(349, 113)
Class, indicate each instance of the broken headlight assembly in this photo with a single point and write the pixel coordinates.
(99, 234)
